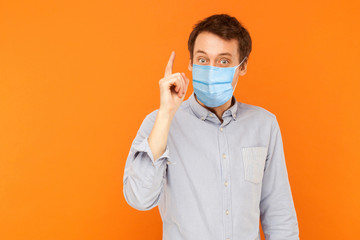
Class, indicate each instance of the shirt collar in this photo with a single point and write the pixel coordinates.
(203, 113)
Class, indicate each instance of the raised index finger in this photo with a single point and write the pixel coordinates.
(169, 66)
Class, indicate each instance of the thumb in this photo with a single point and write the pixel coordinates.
(186, 79)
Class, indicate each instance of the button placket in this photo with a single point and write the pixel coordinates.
(224, 162)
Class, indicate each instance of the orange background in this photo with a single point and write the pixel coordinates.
(78, 77)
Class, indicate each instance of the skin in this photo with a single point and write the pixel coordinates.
(173, 86)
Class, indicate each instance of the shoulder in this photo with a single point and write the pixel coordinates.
(150, 117)
(257, 112)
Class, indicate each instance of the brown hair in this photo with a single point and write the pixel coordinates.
(226, 27)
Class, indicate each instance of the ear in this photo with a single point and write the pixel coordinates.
(243, 69)
(190, 66)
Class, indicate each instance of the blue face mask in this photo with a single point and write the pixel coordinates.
(212, 85)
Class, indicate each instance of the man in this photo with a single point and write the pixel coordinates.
(214, 166)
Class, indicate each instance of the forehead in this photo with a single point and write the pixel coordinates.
(214, 45)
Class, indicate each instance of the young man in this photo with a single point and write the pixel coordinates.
(212, 165)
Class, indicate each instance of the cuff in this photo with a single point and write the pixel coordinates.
(145, 147)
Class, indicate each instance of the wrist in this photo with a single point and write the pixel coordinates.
(165, 114)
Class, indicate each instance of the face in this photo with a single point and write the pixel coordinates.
(210, 49)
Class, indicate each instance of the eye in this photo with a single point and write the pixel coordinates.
(202, 60)
(224, 61)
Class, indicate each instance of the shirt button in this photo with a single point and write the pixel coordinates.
(210, 114)
(221, 129)
(227, 212)
(226, 183)
(224, 155)
(202, 118)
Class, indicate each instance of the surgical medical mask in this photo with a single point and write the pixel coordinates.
(212, 85)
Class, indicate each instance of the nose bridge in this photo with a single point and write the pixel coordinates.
(213, 62)
(212, 59)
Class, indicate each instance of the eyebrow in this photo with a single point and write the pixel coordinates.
(200, 51)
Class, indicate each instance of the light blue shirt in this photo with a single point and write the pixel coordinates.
(215, 180)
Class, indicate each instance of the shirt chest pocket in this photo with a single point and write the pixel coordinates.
(254, 162)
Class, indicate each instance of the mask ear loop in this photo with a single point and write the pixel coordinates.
(238, 79)
(241, 62)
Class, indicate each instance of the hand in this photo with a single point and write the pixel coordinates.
(173, 88)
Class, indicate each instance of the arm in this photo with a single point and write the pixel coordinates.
(277, 210)
(145, 168)
(144, 175)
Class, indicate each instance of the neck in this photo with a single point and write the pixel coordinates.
(218, 111)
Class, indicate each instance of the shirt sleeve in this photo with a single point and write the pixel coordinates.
(277, 210)
(144, 176)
